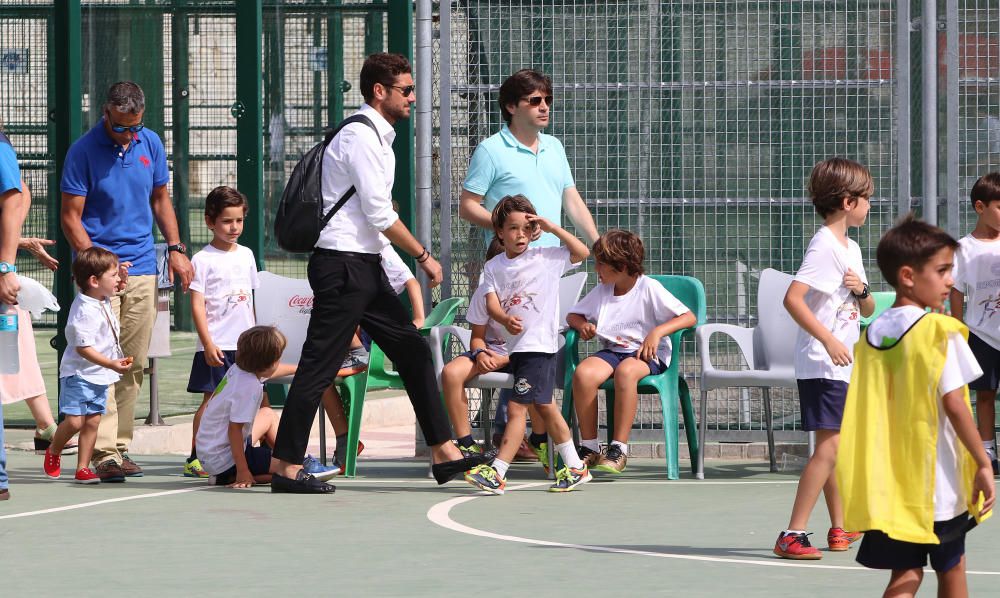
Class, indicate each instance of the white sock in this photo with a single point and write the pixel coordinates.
(622, 446)
(591, 444)
(501, 467)
(790, 532)
(990, 444)
(567, 451)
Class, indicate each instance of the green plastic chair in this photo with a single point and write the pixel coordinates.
(669, 385)
(883, 301)
(353, 388)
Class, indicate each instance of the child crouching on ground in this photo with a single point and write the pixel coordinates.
(635, 317)
(234, 420)
(905, 478)
(522, 293)
(93, 361)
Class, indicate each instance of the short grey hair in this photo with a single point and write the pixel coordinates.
(125, 97)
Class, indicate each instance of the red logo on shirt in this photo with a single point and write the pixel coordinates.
(144, 160)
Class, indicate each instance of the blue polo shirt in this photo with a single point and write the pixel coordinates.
(117, 185)
(502, 165)
(10, 172)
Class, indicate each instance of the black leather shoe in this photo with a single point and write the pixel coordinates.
(448, 470)
(302, 484)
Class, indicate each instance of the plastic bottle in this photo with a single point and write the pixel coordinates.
(9, 361)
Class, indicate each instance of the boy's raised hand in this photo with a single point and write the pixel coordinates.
(542, 224)
(853, 282)
(587, 331)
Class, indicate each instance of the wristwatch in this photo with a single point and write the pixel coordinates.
(864, 294)
(475, 353)
(6, 267)
(179, 247)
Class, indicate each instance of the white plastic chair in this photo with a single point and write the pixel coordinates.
(769, 350)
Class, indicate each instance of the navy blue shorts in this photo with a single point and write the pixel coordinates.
(534, 377)
(989, 360)
(613, 358)
(258, 460)
(204, 378)
(504, 370)
(879, 551)
(821, 402)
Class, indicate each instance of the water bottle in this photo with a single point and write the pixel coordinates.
(9, 361)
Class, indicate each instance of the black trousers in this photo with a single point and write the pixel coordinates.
(348, 289)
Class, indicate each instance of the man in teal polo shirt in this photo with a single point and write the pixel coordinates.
(114, 185)
(522, 159)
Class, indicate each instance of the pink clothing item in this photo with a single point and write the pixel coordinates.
(28, 382)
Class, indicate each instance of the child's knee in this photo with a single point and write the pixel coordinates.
(630, 371)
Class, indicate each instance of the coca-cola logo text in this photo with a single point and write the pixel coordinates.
(299, 301)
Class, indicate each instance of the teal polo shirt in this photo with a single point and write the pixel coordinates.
(502, 165)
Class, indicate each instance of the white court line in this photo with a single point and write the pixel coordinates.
(440, 514)
(106, 501)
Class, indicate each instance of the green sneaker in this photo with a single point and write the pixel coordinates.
(568, 479)
(486, 478)
(193, 469)
(542, 452)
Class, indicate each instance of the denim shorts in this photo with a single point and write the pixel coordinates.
(614, 359)
(79, 397)
(879, 551)
(205, 378)
(821, 402)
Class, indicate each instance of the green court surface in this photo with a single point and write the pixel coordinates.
(393, 532)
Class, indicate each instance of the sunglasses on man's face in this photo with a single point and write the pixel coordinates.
(122, 128)
(537, 100)
(406, 91)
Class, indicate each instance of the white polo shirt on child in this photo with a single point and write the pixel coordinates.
(823, 268)
(528, 287)
(91, 323)
(960, 368)
(227, 280)
(395, 269)
(977, 276)
(477, 314)
(237, 399)
(624, 321)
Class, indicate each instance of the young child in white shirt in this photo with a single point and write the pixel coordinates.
(225, 275)
(235, 420)
(92, 362)
(522, 293)
(977, 280)
(633, 317)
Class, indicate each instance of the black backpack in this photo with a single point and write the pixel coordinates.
(299, 218)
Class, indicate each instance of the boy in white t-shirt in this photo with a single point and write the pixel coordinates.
(92, 362)
(977, 279)
(522, 293)
(225, 275)
(635, 317)
(911, 466)
(827, 299)
(234, 420)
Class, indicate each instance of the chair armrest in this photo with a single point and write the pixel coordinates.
(571, 355)
(438, 339)
(742, 336)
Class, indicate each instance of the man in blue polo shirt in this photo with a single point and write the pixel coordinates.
(522, 159)
(114, 185)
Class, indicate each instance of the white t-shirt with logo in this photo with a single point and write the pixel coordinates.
(960, 368)
(823, 268)
(977, 276)
(495, 338)
(395, 269)
(91, 323)
(624, 321)
(227, 280)
(528, 287)
(237, 399)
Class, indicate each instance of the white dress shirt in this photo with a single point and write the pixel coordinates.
(357, 157)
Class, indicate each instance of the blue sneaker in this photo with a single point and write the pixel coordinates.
(313, 467)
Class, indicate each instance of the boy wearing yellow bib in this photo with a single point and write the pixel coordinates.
(904, 476)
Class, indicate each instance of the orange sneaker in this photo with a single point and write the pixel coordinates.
(797, 547)
(840, 540)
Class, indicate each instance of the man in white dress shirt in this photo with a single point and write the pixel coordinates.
(350, 287)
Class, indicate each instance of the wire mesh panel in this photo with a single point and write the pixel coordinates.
(695, 125)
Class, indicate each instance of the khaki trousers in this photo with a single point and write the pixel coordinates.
(135, 308)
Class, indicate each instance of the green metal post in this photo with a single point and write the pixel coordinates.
(375, 31)
(68, 118)
(336, 86)
(404, 190)
(248, 110)
(181, 122)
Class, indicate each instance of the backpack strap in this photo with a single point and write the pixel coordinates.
(357, 118)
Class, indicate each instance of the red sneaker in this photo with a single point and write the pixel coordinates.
(52, 465)
(840, 540)
(86, 476)
(796, 546)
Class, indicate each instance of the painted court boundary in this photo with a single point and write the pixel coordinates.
(95, 503)
(440, 514)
